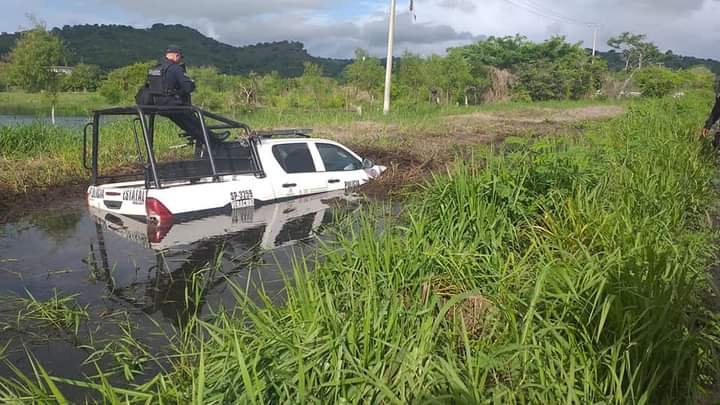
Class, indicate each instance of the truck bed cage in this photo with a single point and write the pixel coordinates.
(208, 166)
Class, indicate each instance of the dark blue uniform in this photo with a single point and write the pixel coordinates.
(176, 86)
(168, 85)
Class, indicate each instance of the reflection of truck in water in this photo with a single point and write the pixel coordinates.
(251, 246)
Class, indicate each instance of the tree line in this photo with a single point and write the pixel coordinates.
(495, 69)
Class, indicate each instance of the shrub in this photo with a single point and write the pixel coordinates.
(698, 77)
(656, 81)
(83, 78)
(122, 84)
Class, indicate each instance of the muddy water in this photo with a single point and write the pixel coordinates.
(149, 280)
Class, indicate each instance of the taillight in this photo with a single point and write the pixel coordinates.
(157, 212)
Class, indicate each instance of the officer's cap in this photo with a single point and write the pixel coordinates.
(173, 49)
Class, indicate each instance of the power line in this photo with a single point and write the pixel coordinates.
(554, 12)
(549, 14)
(538, 10)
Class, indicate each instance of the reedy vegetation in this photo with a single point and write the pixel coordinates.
(38, 156)
(568, 270)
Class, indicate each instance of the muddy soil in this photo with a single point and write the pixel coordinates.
(18, 205)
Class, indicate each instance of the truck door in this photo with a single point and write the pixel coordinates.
(301, 176)
(342, 169)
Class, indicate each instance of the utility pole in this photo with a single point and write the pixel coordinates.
(388, 66)
(595, 32)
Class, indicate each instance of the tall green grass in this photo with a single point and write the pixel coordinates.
(38, 156)
(560, 271)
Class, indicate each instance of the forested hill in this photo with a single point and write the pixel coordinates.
(113, 46)
(616, 62)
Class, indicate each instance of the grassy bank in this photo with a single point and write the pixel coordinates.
(68, 104)
(38, 156)
(570, 270)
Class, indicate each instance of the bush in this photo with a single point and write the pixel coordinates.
(122, 84)
(656, 81)
(698, 77)
(573, 77)
(83, 78)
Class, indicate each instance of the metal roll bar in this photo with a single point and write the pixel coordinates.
(145, 115)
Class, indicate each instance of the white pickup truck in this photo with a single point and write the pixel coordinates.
(260, 168)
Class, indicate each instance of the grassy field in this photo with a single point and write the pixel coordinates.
(558, 270)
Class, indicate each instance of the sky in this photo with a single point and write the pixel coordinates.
(335, 28)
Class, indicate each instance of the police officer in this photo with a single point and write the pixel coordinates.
(168, 81)
(169, 85)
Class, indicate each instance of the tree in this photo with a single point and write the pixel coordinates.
(476, 79)
(459, 79)
(83, 78)
(510, 52)
(365, 73)
(248, 86)
(122, 84)
(33, 62)
(436, 79)
(635, 50)
(552, 69)
(411, 80)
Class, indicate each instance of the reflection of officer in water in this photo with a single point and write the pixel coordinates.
(168, 85)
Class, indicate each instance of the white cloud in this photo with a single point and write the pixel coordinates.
(336, 27)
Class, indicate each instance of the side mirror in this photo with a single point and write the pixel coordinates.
(367, 164)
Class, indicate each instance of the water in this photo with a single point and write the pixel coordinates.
(126, 273)
(31, 119)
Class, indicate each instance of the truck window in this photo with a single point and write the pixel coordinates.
(337, 159)
(294, 157)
